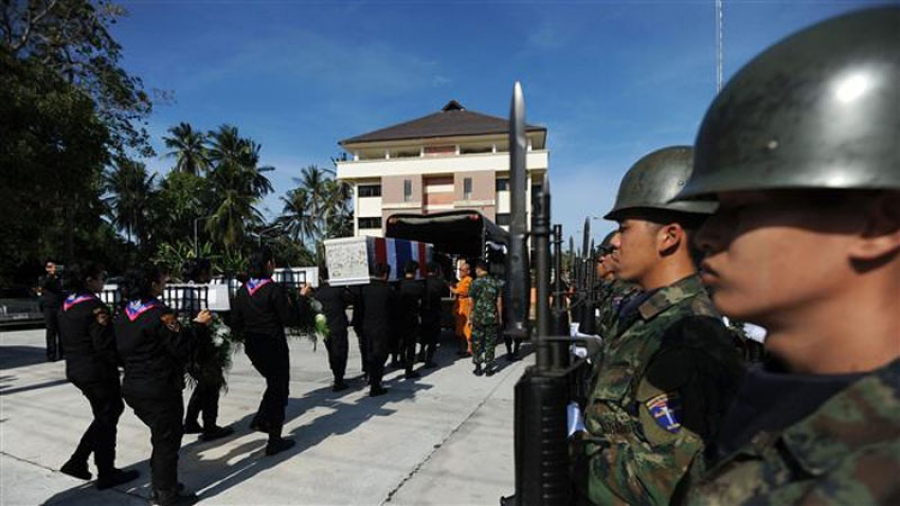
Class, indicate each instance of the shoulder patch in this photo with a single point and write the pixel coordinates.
(666, 411)
(101, 315)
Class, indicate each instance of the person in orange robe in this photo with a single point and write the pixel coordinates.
(461, 309)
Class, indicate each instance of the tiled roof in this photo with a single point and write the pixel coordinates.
(452, 120)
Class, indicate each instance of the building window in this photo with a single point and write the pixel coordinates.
(370, 222)
(467, 188)
(504, 219)
(369, 190)
(502, 184)
(407, 190)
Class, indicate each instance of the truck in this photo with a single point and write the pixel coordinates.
(454, 234)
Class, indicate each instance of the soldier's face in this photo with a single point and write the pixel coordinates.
(635, 247)
(50, 268)
(774, 259)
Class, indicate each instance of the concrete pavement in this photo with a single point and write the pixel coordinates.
(444, 439)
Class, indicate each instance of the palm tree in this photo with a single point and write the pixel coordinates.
(317, 208)
(188, 149)
(298, 218)
(129, 191)
(240, 183)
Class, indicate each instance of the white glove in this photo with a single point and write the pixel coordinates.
(575, 422)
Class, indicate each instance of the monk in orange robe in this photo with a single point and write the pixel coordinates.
(461, 309)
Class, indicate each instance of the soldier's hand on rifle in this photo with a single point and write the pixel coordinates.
(203, 317)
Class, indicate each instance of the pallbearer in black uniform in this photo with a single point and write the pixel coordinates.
(51, 292)
(92, 366)
(435, 290)
(154, 348)
(205, 397)
(378, 305)
(411, 293)
(335, 300)
(261, 311)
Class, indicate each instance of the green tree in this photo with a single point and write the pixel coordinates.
(71, 39)
(238, 182)
(52, 151)
(319, 208)
(130, 192)
(188, 148)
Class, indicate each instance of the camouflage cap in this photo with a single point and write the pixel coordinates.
(654, 181)
(820, 109)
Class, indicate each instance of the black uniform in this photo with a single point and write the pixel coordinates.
(92, 366)
(378, 306)
(205, 397)
(411, 296)
(435, 290)
(335, 300)
(154, 349)
(51, 302)
(261, 310)
(356, 323)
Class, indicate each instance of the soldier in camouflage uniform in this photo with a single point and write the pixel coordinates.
(485, 296)
(613, 292)
(668, 370)
(801, 151)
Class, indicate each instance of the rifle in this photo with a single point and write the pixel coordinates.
(543, 392)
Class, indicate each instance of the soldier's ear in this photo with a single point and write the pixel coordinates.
(879, 240)
(670, 237)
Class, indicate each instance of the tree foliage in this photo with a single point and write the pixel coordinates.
(71, 39)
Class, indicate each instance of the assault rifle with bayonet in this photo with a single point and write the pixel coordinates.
(546, 389)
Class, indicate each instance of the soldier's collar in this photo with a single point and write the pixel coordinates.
(668, 296)
(854, 418)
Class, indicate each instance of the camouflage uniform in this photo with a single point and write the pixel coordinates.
(847, 451)
(613, 295)
(484, 293)
(637, 450)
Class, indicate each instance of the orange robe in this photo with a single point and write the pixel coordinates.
(462, 307)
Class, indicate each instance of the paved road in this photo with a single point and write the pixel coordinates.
(443, 439)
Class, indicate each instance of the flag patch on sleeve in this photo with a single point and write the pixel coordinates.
(666, 411)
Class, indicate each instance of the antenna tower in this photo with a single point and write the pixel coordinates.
(719, 51)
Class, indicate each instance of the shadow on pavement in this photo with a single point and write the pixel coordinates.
(12, 357)
(211, 477)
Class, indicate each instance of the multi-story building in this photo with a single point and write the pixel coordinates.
(452, 159)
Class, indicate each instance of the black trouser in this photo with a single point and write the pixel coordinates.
(363, 349)
(163, 416)
(100, 436)
(337, 347)
(407, 345)
(204, 399)
(377, 348)
(512, 344)
(431, 332)
(51, 323)
(270, 356)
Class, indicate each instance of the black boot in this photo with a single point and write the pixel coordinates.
(478, 370)
(489, 370)
(192, 427)
(339, 385)
(376, 390)
(109, 479)
(76, 468)
(278, 444)
(216, 432)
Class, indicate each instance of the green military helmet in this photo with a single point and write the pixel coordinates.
(654, 181)
(820, 109)
(606, 247)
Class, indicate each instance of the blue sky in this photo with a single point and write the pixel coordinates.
(611, 80)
